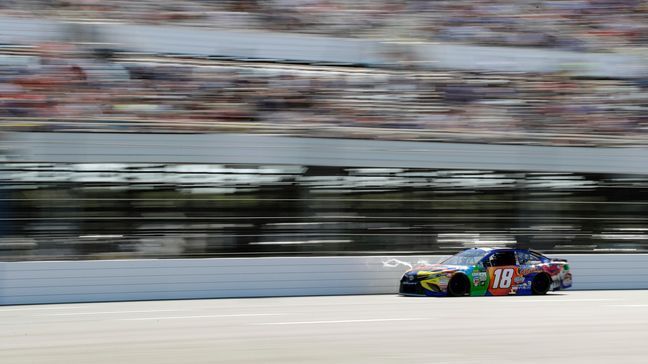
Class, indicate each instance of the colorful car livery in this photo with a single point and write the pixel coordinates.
(488, 272)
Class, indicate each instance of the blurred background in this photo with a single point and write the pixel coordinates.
(563, 83)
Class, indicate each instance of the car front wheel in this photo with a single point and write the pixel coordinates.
(458, 286)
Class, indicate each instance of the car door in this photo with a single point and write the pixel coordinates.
(529, 264)
(503, 273)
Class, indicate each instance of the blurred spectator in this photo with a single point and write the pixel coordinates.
(192, 95)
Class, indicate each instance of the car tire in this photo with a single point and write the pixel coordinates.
(458, 286)
(541, 284)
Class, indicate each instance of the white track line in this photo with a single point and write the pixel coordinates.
(567, 300)
(336, 321)
(201, 316)
(41, 308)
(629, 305)
(107, 312)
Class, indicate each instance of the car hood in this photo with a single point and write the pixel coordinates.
(427, 269)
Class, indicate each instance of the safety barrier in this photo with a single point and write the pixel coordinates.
(123, 280)
(281, 150)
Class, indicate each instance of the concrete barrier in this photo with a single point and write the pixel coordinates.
(123, 280)
(280, 150)
(84, 281)
(609, 271)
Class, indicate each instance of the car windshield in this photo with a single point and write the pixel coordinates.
(467, 257)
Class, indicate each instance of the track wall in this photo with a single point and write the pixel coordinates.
(121, 280)
(278, 150)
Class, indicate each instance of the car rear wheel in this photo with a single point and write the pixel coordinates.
(458, 286)
(541, 284)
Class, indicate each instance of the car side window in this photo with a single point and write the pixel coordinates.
(528, 258)
(523, 257)
(537, 258)
(503, 258)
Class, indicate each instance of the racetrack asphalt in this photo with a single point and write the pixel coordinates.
(566, 327)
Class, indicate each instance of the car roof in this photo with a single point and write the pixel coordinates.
(493, 249)
(486, 249)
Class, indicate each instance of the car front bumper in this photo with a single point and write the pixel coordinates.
(415, 288)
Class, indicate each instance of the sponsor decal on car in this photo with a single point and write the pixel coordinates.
(525, 271)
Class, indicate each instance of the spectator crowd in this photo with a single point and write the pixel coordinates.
(70, 86)
(179, 94)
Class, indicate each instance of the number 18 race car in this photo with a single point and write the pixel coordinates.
(488, 272)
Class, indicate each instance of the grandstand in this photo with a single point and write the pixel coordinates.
(550, 73)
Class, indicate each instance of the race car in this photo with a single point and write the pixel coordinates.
(488, 272)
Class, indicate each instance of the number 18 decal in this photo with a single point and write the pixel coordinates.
(502, 278)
